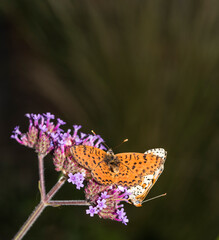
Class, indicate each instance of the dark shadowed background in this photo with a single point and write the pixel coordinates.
(143, 70)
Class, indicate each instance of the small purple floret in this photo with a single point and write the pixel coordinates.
(76, 128)
(102, 147)
(104, 195)
(43, 128)
(100, 140)
(48, 115)
(16, 130)
(76, 179)
(92, 139)
(92, 210)
(60, 122)
(101, 204)
(125, 220)
(121, 213)
(83, 135)
(122, 216)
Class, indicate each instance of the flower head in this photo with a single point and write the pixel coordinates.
(107, 200)
(40, 134)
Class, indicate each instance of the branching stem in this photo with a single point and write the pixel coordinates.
(46, 200)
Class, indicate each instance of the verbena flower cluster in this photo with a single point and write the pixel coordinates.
(46, 136)
(105, 201)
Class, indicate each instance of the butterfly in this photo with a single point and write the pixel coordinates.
(123, 169)
(139, 192)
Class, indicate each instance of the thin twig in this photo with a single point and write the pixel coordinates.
(32, 218)
(55, 189)
(58, 203)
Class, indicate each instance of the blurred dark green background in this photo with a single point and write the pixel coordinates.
(143, 70)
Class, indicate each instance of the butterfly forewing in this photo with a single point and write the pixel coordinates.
(87, 156)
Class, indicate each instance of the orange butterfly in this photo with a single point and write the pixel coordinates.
(125, 169)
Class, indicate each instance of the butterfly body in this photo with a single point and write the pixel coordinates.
(112, 161)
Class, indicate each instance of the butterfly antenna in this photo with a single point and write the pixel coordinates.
(162, 195)
(125, 140)
(102, 142)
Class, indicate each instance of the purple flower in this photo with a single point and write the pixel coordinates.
(100, 140)
(15, 134)
(107, 200)
(43, 128)
(121, 213)
(76, 128)
(101, 204)
(61, 142)
(77, 179)
(54, 136)
(79, 185)
(83, 135)
(125, 220)
(41, 135)
(36, 118)
(48, 115)
(72, 178)
(59, 123)
(122, 216)
(65, 138)
(16, 130)
(91, 139)
(28, 115)
(104, 195)
(92, 210)
(102, 147)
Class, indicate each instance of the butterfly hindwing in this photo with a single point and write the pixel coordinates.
(127, 177)
(139, 192)
(103, 174)
(140, 163)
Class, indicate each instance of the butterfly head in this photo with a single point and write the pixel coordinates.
(110, 157)
(110, 152)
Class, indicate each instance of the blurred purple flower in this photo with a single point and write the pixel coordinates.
(92, 210)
